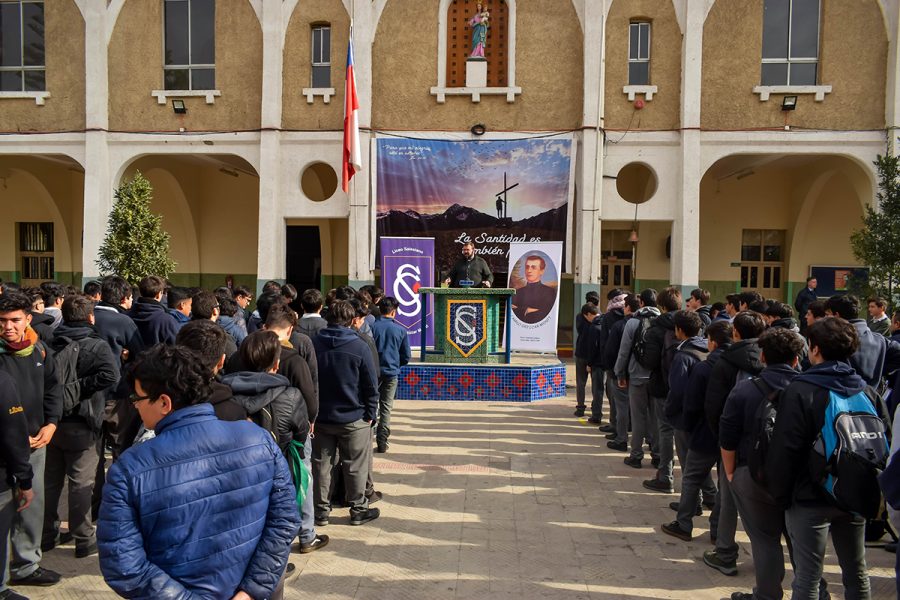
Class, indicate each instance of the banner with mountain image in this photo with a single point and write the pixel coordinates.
(492, 193)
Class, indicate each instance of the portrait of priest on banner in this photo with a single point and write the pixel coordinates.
(534, 277)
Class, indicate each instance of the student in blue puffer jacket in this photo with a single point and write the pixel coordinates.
(207, 508)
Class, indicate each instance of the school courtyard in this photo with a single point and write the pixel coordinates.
(502, 501)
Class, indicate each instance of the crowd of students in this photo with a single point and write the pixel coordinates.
(796, 426)
(265, 422)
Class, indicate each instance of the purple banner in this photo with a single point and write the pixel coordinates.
(407, 264)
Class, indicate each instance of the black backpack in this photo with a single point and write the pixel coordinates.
(66, 359)
(639, 344)
(763, 428)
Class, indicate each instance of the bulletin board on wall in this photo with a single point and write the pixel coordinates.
(836, 280)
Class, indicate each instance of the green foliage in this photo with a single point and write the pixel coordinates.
(877, 244)
(136, 244)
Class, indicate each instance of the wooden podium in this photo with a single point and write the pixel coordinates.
(467, 325)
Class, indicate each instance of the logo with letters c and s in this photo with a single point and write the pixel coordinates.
(466, 325)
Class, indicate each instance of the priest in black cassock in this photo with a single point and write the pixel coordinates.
(533, 302)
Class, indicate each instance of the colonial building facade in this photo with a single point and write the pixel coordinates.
(689, 167)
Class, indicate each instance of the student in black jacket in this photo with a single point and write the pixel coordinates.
(30, 363)
(613, 315)
(584, 350)
(15, 470)
(810, 514)
(614, 322)
(72, 453)
(876, 356)
(208, 340)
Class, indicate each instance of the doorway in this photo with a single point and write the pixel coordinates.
(616, 262)
(303, 261)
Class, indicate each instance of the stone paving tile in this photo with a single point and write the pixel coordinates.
(506, 502)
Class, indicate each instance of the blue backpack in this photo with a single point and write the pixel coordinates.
(851, 451)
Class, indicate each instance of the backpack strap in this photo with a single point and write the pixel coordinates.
(39, 345)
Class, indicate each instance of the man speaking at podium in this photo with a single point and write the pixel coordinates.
(470, 268)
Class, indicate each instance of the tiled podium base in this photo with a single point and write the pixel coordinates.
(504, 383)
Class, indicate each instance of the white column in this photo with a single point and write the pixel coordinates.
(892, 93)
(98, 183)
(685, 262)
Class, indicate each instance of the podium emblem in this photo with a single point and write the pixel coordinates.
(466, 325)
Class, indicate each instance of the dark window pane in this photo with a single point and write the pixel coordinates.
(772, 253)
(177, 79)
(744, 276)
(754, 277)
(176, 32)
(627, 281)
(767, 276)
(805, 29)
(604, 275)
(317, 45)
(617, 275)
(750, 253)
(203, 32)
(326, 44)
(776, 278)
(10, 36)
(34, 81)
(321, 77)
(803, 73)
(774, 74)
(203, 79)
(644, 46)
(633, 40)
(775, 29)
(33, 30)
(638, 73)
(10, 81)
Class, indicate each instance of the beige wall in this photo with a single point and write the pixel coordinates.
(64, 110)
(852, 60)
(35, 190)
(136, 69)
(297, 114)
(665, 65)
(651, 250)
(212, 218)
(549, 69)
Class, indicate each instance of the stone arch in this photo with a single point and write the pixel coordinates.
(61, 228)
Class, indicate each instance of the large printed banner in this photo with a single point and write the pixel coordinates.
(406, 265)
(492, 193)
(534, 272)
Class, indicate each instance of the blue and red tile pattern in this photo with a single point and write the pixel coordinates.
(517, 383)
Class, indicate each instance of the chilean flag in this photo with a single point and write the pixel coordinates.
(351, 162)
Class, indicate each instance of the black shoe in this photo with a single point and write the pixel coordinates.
(676, 505)
(579, 412)
(659, 486)
(319, 542)
(364, 516)
(711, 559)
(61, 538)
(87, 550)
(608, 428)
(611, 436)
(321, 520)
(289, 570)
(381, 448)
(620, 446)
(655, 462)
(710, 504)
(741, 596)
(675, 530)
(40, 577)
(12, 595)
(594, 420)
(374, 497)
(634, 463)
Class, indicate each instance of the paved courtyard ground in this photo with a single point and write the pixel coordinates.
(502, 501)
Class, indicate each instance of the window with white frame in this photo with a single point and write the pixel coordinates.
(190, 44)
(22, 66)
(321, 56)
(639, 53)
(790, 52)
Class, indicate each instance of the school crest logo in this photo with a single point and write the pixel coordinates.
(466, 325)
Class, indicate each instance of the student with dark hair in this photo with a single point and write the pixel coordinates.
(740, 361)
(806, 296)
(311, 321)
(781, 316)
(348, 407)
(703, 448)
(229, 321)
(153, 322)
(92, 290)
(762, 518)
(207, 340)
(717, 311)
(592, 297)
(810, 514)
(72, 452)
(54, 293)
(698, 302)
(583, 353)
(895, 327)
(392, 342)
(875, 356)
(620, 309)
(28, 362)
(878, 320)
(243, 296)
(179, 304)
(42, 323)
(235, 467)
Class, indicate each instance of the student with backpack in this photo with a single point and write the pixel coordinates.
(824, 490)
(86, 369)
(744, 431)
(631, 373)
